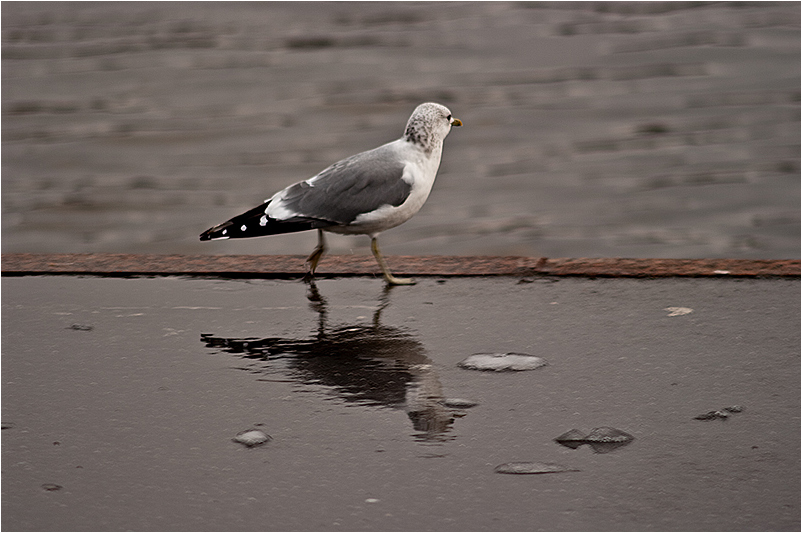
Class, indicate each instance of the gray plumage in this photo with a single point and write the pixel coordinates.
(359, 184)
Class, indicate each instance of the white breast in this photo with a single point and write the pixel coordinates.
(420, 173)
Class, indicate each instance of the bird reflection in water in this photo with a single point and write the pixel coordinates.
(369, 364)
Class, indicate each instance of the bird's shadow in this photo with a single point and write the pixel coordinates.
(368, 364)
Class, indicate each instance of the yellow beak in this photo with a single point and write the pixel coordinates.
(456, 122)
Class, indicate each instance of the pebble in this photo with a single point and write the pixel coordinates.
(608, 434)
(573, 435)
(252, 437)
(532, 468)
(601, 439)
(722, 414)
(502, 362)
(712, 415)
(458, 403)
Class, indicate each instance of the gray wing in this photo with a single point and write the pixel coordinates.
(356, 185)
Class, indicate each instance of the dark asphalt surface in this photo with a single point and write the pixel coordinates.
(121, 397)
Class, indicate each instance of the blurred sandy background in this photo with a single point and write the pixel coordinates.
(665, 129)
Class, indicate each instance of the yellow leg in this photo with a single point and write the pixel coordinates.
(317, 253)
(392, 280)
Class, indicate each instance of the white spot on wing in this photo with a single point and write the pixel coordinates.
(244, 227)
(263, 220)
(276, 208)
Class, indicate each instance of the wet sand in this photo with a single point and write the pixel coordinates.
(121, 398)
(591, 130)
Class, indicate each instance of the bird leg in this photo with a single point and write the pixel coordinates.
(317, 253)
(392, 280)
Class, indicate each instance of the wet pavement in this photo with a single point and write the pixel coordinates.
(122, 399)
(655, 129)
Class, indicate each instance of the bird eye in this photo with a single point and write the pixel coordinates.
(448, 117)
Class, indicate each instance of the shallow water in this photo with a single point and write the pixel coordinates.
(127, 421)
(591, 130)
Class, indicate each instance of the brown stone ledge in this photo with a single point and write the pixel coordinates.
(291, 266)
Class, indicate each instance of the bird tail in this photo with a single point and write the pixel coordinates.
(255, 223)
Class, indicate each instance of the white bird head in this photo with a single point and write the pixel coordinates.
(429, 125)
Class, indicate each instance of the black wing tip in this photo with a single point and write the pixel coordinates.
(256, 223)
(217, 232)
(240, 229)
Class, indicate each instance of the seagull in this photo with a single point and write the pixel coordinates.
(364, 194)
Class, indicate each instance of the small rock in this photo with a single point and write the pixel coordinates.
(572, 439)
(81, 327)
(252, 437)
(601, 440)
(712, 415)
(532, 468)
(723, 413)
(458, 403)
(608, 434)
(502, 362)
(51, 486)
(678, 311)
